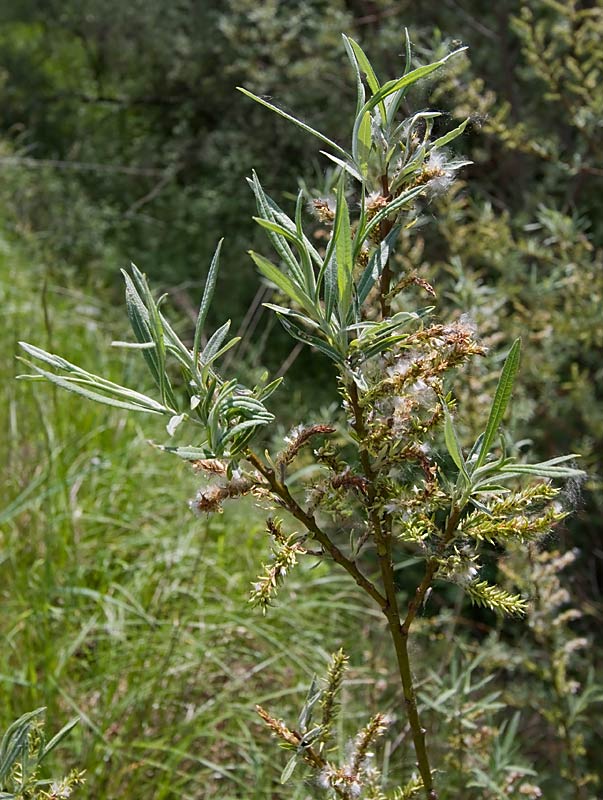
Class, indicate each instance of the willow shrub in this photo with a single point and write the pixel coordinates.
(387, 477)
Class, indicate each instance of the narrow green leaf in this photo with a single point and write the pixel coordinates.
(306, 275)
(208, 293)
(133, 345)
(186, 453)
(376, 265)
(393, 101)
(84, 378)
(360, 93)
(177, 348)
(542, 470)
(289, 312)
(295, 121)
(271, 212)
(492, 488)
(488, 471)
(304, 252)
(58, 737)
(330, 263)
(58, 362)
(15, 744)
(210, 359)
(265, 392)
(139, 320)
(475, 449)
(270, 225)
(22, 723)
(366, 67)
(75, 385)
(349, 168)
(343, 249)
(364, 144)
(377, 346)
(289, 767)
(207, 400)
(558, 460)
(371, 78)
(450, 136)
(361, 144)
(155, 329)
(368, 329)
(247, 425)
(330, 286)
(312, 697)
(452, 443)
(407, 52)
(281, 281)
(297, 332)
(243, 404)
(501, 400)
(213, 345)
(224, 391)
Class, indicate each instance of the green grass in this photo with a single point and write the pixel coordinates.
(120, 606)
(117, 604)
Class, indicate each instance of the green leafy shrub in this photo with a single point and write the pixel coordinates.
(389, 477)
(522, 251)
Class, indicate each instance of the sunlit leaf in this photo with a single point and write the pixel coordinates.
(364, 144)
(275, 276)
(78, 386)
(343, 250)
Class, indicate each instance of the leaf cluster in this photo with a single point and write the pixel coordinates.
(225, 413)
(23, 749)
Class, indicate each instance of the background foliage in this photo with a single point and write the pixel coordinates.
(123, 138)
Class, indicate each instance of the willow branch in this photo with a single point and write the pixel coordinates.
(281, 490)
(431, 569)
(383, 541)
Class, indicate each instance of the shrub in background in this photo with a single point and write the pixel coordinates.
(522, 251)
